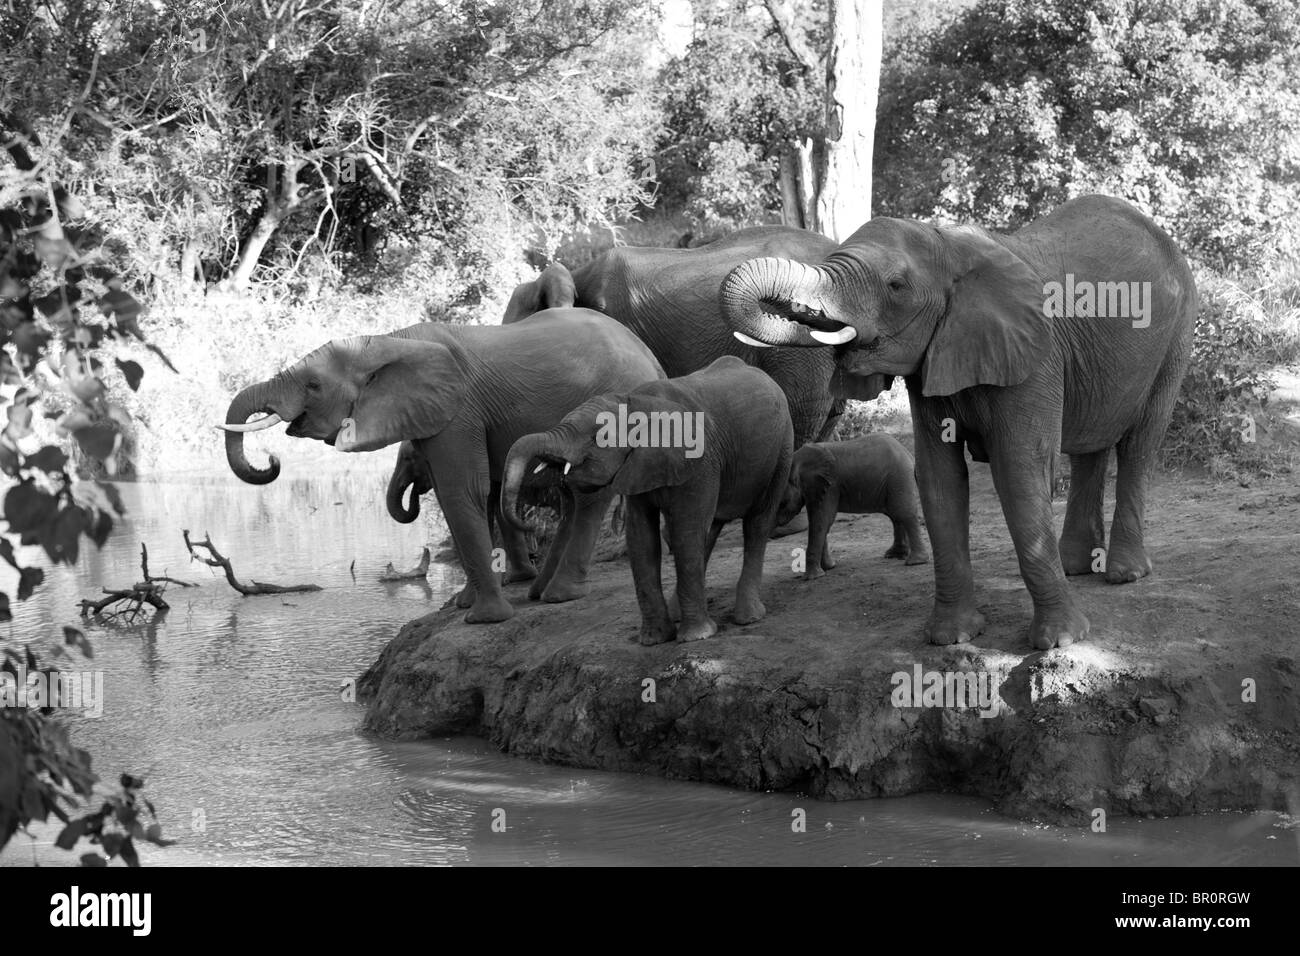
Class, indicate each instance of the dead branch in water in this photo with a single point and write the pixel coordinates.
(149, 591)
(421, 570)
(218, 560)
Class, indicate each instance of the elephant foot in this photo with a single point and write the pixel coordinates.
(656, 633)
(917, 557)
(1057, 628)
(796, 524)
(697, 630)
(748, 610)
(1125, 565)
(827, 563)
(557, 592)
(489, 610)
(515, 575)
(813, 571)
(953, 625)
(465, 597)
(1077, 555)
(897, 551)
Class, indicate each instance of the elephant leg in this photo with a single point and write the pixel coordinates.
(1126, 558)
(463, 498)
(645, 554)
(582, 524)
(749, 606)
(1022, 475)
(1085, 526)
(689, 541)
(556, 549)
(917, 550)
(899, 548)
(944, 485)
(823, 505)
(519, 563)
(715, 529)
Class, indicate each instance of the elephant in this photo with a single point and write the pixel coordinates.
(410, 472)
(669, 298)
(461, 394)
(872, 474)
(718, 448)
(1070, 335)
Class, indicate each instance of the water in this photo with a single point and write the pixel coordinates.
(230, 707)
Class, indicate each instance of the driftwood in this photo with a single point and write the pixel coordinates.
(218, 560)
(148, 591)
(421, 570)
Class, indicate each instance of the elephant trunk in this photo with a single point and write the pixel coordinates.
(397, 485)
(522, 453)
(773, 301)
(268, 396)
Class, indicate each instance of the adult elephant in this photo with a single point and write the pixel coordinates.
(1071, 334)
(669, 298)
(461, 394)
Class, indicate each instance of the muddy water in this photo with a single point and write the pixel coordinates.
(230, 708)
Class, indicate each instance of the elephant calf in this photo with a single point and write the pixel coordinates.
(701, 450)
(873, 474)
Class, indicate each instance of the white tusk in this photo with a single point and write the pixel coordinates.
(749, 340)
(541, 467)
(846, 334)
(267, 422)
(567, 466)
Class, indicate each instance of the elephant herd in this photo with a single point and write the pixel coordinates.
(701, 384)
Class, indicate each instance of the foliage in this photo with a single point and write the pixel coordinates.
(120, 820)
(1185, 107)
(63, 311)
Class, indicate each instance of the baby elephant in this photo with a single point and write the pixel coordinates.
(873, 474)
(701, 450)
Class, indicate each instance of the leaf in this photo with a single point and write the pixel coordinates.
(122, 307)
(132, 372)
(159, 352)
(5, 613)
(128, 853)
(100, 528)
(72, 635)
(49, 459)
(28, 507)
(112, 843)
(62, 543)
(29, 579)
(154, 835)
(8, 459)
(98, 441)
(70, 834)
(92, 859)
(7, 553)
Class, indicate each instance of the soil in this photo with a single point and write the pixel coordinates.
(1185, 697)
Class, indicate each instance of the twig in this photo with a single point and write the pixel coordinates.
(421, 570)
(220, 561)
(149, 591)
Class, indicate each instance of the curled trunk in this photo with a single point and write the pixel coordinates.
(522, 454)
(761, 296)
(397, 485)
(259, 397)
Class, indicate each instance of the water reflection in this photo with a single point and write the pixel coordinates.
(231, 708)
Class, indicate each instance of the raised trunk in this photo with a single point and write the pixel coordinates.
(761, 296)
(522, 453)
(260, 397)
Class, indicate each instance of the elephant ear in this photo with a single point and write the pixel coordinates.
(555, 288)
(995, 330)
(412, 389)
(645, 469)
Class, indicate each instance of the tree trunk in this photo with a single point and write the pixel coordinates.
(826, 185)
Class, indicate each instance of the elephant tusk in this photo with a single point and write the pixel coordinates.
(846, 334)
(567, 466)
(257, 426)
(749, 340)
(541, 467)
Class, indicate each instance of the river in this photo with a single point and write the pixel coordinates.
(231, 708)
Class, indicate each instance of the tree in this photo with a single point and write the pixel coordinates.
(826, 181)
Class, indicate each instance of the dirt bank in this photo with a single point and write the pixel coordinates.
(1146, 717)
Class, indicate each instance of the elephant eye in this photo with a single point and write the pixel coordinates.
(896, 284)
(314, 386)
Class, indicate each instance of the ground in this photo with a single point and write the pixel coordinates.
(1184, 698)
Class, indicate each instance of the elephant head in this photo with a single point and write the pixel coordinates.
(553, 289)
(898, 297)
(356, 394)
(585, 445)
(412, 472)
